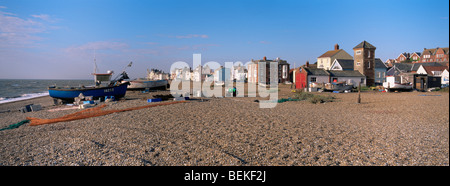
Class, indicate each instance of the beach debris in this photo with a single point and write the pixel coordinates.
(179, 99)
(154, 100)
(91, 112)
(31, 108)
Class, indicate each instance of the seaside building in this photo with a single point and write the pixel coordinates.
(364, 61)
(255, 68)
(222, 74)
(325, 60)
(435, 55)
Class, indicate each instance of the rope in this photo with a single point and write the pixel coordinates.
(91, 112)
(16, 125)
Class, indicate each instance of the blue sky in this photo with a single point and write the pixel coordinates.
(54, 39)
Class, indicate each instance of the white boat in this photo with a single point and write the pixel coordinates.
(394, 83)
(155, 79)
(145, 83)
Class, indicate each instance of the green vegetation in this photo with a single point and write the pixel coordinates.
(313, 98)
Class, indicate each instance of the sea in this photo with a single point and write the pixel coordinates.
(21, 89)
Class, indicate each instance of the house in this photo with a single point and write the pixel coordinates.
(308, 77)
(435, 55)
(435, 71)
(222, 74)
(252, 72)
(415, 66)
(342, 64)
(390, 62)
(239, 73)
(403, 57)
(325, 60)
(441, 55)
(351, 77)
(444, 78)
(155, 74)
(197, 74)
(423, 82)
(364, 62)
(415, 57)
(282, 73)
(380, 72)
(402, 71)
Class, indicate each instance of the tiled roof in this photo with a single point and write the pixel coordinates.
(429, 69)
(345, 73)
(346, 63)
(365, 44)
(379, 63)
(330, 53)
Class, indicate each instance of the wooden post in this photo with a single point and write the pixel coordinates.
(359, 92)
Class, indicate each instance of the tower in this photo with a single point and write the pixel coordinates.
(364, 61)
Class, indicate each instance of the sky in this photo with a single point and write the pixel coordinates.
(54, 39)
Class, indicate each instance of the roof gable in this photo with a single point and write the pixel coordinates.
(365, 44)
(344, 64)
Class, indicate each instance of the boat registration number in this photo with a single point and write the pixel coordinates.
(109, 90)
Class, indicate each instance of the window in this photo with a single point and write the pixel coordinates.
(368, 55)
(368, 65)
(358, 52)
(313, 79)
(358, 64)
(379, 74)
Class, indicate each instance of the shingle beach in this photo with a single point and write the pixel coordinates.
(386, 129)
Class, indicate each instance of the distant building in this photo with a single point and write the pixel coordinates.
(222, 74)
(255, 69)
(252, 72)
(403, 57)
(415, 57)
(435, 55)
(325, 60)
(390, 62)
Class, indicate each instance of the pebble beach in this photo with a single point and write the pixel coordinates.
(385, 129)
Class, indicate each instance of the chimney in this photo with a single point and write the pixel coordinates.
(307, 64)
(336, 47)
(265, 59)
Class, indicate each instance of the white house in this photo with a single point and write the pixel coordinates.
(435, 71)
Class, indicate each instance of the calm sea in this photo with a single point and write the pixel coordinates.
(21, 89)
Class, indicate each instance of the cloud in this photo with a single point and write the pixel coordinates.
(44, 17)
(98, 45)
(18, 32)
(264, 42)
(189, 36)
(2, 7)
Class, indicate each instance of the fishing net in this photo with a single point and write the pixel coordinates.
(91, 112)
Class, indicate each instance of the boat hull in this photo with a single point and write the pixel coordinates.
(143, 84)
(96, 92)
(397, 86)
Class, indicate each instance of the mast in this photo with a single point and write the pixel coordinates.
(95, 64)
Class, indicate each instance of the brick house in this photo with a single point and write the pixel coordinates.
(364, 62)
(434, 55)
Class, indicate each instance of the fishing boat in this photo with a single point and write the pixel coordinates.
(395, 83)
(155, 79)
(104, 86)
(338, 86)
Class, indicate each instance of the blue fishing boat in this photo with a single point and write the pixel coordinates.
(103, 87)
